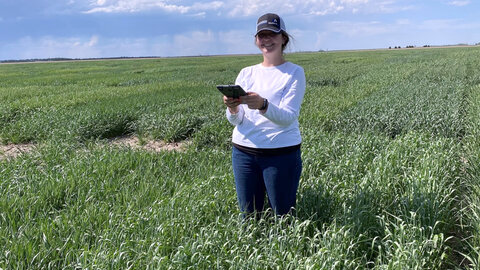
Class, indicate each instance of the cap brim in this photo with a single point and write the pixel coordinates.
(275, 30)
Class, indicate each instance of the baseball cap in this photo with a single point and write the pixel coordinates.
(271, 22)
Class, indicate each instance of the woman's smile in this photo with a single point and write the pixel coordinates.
(268, 45)
(269, 41)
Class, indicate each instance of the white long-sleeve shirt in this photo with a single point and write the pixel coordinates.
(284, 87)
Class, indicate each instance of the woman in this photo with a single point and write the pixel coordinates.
(266, 138)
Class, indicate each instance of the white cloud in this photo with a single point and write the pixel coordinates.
(215, 5)
(403, 32)
(93, 41)
(194, 43)
(126, 6)
(185, 44)
(313, 7)
(245, 8)
(209, 42)
(319, 7)
(353, 29)
(442, 25)
(459, 3)
(403, 22)
(51, 47)
(236, 42)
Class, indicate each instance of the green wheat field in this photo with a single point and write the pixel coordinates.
(391, 152)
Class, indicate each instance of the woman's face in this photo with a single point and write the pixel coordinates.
(270, 42)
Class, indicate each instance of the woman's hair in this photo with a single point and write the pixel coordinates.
(287, 40)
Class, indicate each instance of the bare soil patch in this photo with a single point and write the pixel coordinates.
(150, 145)
(13, 150)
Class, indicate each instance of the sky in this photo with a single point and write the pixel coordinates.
(34, 29)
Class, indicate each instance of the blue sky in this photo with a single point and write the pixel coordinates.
(113, 28)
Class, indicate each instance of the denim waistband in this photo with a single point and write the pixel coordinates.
(267, 151)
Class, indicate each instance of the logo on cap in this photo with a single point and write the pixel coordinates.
(275, 22)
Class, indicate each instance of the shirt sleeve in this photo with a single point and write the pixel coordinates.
(237, 119)
(288, 109)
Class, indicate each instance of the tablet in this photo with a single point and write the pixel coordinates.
(234, 91)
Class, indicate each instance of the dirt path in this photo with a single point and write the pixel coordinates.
(10, 151)
(13, 150)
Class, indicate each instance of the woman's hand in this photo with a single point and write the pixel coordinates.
(232, 104)
(253, 100)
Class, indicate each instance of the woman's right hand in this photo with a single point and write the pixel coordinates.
(232, 104)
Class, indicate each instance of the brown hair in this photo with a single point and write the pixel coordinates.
(287, 40)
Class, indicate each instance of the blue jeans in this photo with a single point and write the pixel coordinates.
(278, 176)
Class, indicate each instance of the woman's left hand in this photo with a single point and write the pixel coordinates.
(253, 100)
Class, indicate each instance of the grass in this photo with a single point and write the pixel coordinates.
(390, 180)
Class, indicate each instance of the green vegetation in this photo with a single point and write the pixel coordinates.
(391, 179)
